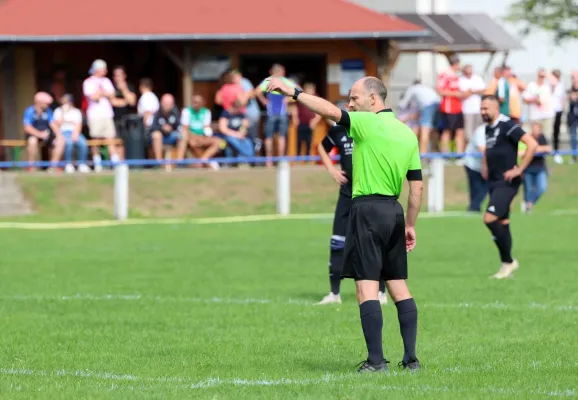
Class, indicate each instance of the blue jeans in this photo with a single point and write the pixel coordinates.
(242, 147)
(427, 115)
(573, 140)
(535, 184)
(279, 124)
(80, 144)
(478, 189)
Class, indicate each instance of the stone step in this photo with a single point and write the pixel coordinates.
(12, 200)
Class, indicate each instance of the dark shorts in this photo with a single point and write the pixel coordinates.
(375, 242)
(341, 217)
(501, 196)
(453, 122)
(48, 142)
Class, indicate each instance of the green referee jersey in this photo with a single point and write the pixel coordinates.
(386, 152)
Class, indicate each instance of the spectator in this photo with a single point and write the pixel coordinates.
(536, 175)
(68, 120)
(448, 86)
(124, 100)
(231, 90)
(408, 113)
(99, 91)
(538, 95)
(516, 87)
(427, 101)
(559, 99)
(39, 127)
(233, 126)
(573, 114)
(165, 129)
(305, 120)
(252, 108)
(196, 129)
(148, 104)
(500, 87)
(474, 84)
(477, 185)
(277, 120)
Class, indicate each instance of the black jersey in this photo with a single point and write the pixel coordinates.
(502, 147)
(337, 137)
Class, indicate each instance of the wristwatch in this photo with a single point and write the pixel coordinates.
(297, 93)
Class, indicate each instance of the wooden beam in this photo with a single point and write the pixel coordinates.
(187, 70)
(173, 57)
(489, 63)
(390, 56)
(505, 59)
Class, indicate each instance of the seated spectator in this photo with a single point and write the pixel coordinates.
(536, 175)
(233, 126)
(305, 120)
(148, 104)
(165, 129)
(39, 128)
(68, 120)
(196, 129)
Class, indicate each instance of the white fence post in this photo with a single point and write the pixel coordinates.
(121, 191)
(283, 187)
(436, 186)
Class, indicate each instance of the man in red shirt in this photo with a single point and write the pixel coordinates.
(448, 87)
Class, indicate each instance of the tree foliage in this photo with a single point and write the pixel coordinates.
(559, 17)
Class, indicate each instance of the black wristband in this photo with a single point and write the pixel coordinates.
(297, 93)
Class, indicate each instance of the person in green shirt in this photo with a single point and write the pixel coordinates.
(378, 237)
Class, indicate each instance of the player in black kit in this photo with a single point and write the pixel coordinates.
(500, 168)
(337, 137)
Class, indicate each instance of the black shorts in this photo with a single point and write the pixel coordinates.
(375, 242)
(453, 122)
(342, 209)
(501, 196)
(49, 141)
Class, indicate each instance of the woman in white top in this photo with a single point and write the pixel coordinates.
(69, 120)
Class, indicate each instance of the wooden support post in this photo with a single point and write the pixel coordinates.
(187, 76)
(389, 55)
(489, 63)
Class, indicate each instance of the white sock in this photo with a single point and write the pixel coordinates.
(97, 159)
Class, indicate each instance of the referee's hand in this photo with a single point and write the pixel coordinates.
(277, 85)
(410, 239)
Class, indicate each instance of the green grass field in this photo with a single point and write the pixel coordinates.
(219, 310)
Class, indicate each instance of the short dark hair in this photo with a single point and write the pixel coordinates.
(147, 82)
(374, 85)
(490, 97)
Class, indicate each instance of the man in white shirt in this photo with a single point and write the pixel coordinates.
(478, 186)
(427, 101)
(559, 98)
(539, 97)
(68, 119)
(473, 84)
(99, 91)
(148, 104)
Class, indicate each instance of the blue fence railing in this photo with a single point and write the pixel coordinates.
(234, 160)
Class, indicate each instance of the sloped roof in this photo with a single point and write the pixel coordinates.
(85, 20)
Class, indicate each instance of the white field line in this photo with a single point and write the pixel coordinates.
(184, 383)
(172, 221)
(249, 301)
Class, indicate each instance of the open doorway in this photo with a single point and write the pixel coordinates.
(306, 68)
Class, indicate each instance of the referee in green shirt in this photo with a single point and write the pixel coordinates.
(378, 236)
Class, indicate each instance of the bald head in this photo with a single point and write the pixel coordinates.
(167, 102)
(368, 94)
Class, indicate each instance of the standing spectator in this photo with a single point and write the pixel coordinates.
(124, 100)
(233, 126)
(559, 99)
(231, 90)
(99, 91)
(474, 84)
(148, 104)
(305, 120)
(252, 109)
(500, 87)
(165, 129)
(477, 184)
(448, 86)
(515, 89)
(39, 127)
(427, 101)
(68, 120)
(536, 175)
(573, 115)
(196, 129)
(277, 120)
(538, 95)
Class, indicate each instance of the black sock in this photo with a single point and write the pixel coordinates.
(407, 315)
(335, 267)
(382, 286)
(503, 240)
(372, 324)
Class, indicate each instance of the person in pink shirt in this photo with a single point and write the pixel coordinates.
(99, 91)
(230, 91)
